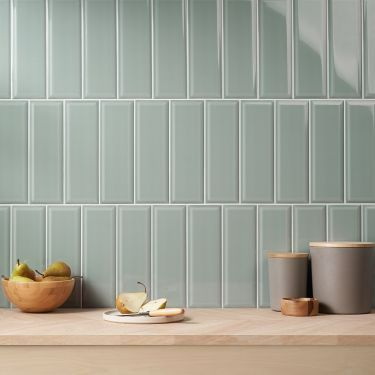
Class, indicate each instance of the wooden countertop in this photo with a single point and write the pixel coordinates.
(201, 327)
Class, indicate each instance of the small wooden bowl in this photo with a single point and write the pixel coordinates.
(299, 306)
(38, 296)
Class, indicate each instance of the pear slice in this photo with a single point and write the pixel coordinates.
(131, 302)
(153, 305)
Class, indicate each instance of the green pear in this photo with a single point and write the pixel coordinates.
(153, 305)
(131, 302)
(21, 279)
(59, 268)
(22, 269)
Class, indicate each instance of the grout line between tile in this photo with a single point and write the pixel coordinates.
(117, 48)
(222, 254)
(257, 69)
(327, 227)
(240, 151)
(187, 255)
(204, 151)
(257, 255)
(99, 147)
(309, 147)
(47, 48)
(292, 227)
(292, 47)
(328, 73)
(274, 150)
(344, 153)
(221, 45)
(81, 239)
(116, 252)
(82, 48)
(11, 47)
(46, 235)
(134, 149)
(151, 265)
(169, 152)
(28, 152)
(187, 40)
(362, 6)
(64, 150)
(152, 51)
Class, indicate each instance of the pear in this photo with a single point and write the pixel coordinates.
(55, 278)
(21, 279)
(22, 269)
(59, 268)
(153, 305)
(131, 302)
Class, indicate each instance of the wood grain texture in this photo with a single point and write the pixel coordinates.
(202, 327)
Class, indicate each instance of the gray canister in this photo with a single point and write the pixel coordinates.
(287, 276)
(342, 276)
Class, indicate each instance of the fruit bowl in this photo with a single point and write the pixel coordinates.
(38, 296)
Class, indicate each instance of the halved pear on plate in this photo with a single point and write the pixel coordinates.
(153, 305)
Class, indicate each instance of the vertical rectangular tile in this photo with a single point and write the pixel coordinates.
(99, 256)
(360, 155)
(204, 256)
(64, 243)
(117, 148)
(344, 223)
(152, 151)
(169, 254)
(64, 44)
(327, 151)
(310, 35)
(275, 48)
(222, 151)
(257, 152)
(134, 48)
(134, 248)
(292, 137)
(29, 236)
(13, 152)
(4, 248)
(29, 53)
(169, 49)
(240, 38)
(204, 49)
(82, 152)
(309, 224)
(46, 154)
(345, 48)
(274, 235)
(369, 233)
(100, 48)
(240, 256)
(5, 49)
(187, 151)
(369, 47)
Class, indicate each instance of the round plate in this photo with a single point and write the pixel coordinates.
(117, 317)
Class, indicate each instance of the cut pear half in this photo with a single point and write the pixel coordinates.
(130, 302)
(153, 305)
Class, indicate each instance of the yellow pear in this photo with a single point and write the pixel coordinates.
(153, 305)
(21, 279)
(22, 269)
(55, 278)
(57, 269)
(131, 302)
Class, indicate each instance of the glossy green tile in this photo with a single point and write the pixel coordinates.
(369, 233)
(100, 48)
(134, 48)
(240, 256)
(222, 151)
(257, 151)
(240, 44)
(292, 163)
(369, 47)
(29, 236)
(327, 151)
(309, 224)
(99, 256)
(310, 35)
(204, 256)
(204, 49)
(4, 248)
(169, 49)
(275, 54)
(345, 48)
(64, 243)
(4, 49)
(187, 151)
(134, 247)
(344, 223)
(360, 155)
(64, 44)
(274, 223)
(117, 160)
(82, 152)
(169, 254)
(151, 151)
(13, 152)
(29, 50)
(46, 153)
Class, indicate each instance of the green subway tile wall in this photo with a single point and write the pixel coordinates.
(175, 142)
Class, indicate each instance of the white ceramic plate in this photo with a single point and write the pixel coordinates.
(117, 317)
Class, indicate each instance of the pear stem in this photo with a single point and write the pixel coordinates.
(18, 262)
(39, 273)
(138, 282)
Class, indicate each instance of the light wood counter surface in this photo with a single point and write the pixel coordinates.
(203, 327)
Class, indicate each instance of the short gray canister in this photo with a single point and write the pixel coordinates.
(342, 276)
(287, 276)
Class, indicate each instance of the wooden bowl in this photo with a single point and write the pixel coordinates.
(38, 296)
(299, 306)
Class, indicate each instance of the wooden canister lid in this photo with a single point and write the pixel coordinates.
(342, 244)
(287, 255)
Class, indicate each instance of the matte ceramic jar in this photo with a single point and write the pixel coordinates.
(342, 276)
(287, 277)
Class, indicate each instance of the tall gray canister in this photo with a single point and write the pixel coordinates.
(342, 276)
(287, 276)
